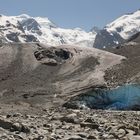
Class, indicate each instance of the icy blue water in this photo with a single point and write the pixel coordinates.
(122, 98)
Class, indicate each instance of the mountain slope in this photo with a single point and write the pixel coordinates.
(126, 25)
(119, 31)
(34, 73)
(24, 28)
(129, 70)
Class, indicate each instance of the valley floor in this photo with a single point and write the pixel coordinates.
(38, 123)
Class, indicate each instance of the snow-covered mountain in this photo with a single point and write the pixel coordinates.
(24, 28)
(126, 25)
(119, 31)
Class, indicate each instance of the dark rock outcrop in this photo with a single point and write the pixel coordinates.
(104, 39)
(13, 37)
(31, 25)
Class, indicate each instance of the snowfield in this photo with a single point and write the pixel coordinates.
(127, 25)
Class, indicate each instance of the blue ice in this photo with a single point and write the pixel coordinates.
(122, 98)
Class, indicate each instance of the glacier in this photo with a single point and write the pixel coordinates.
(122, 98)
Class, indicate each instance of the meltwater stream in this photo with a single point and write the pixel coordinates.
(122, 98)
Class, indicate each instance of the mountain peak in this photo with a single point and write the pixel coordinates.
(127, 25)
(23, 16)
(24, 28)
(119, 31)
(95, 29)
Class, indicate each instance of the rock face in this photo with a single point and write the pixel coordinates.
(30, 24)
(105, 39)
(53, 56)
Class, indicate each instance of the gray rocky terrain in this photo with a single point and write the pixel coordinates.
(128, 71)
(36, 82)
(35, 73)
(66, 124)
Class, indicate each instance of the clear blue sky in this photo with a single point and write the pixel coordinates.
(72, 13)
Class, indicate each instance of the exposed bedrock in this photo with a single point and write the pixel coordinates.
(39, 74)
(53, 56)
